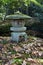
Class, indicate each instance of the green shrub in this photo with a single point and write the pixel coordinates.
(35, 29)
(5, 29)
(38, 26)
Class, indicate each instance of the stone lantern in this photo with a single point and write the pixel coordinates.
(18, 21)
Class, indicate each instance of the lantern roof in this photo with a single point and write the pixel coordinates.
(17, 15)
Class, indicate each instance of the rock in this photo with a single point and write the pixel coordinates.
(35, 53)
(13, 56)
(35, 38)
(19, 55)
(9, 57)
(7, 63)
(39, 40)
(10, 61)
(1, 40)
(25, 46)
(9, 53)
(21, 51)
(17, 48)
(1, 46)
(41, 54)
(38, 44)
(29, 45)
(24, 62)
(31, 60)
(28, 51)
(5, 60)
(41, 48)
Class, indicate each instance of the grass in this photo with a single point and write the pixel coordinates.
(17, 61)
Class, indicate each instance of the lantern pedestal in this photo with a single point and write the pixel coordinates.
(18, 34)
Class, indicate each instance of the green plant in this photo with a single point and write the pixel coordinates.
(5, 29)
(17, 61)
(13, 52)
(4, 42)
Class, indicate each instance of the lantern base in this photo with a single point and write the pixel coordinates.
(18, 36)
